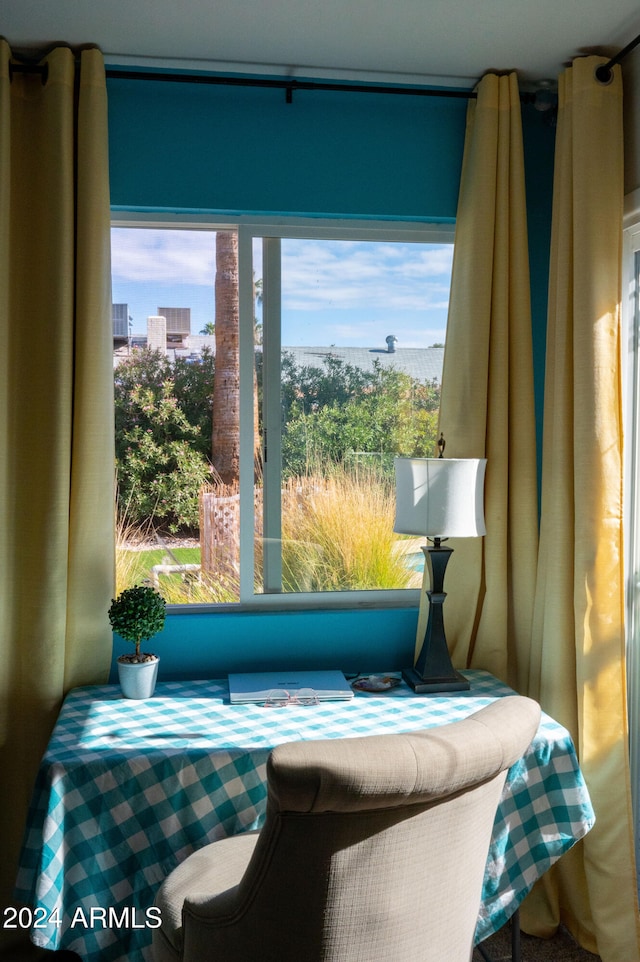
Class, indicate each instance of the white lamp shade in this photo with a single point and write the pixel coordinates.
(440, 497)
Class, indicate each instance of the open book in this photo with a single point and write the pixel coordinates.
(254, 687)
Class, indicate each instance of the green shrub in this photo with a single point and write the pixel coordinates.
(160, 470)
(382, 414)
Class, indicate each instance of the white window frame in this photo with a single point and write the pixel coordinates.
(277, 228)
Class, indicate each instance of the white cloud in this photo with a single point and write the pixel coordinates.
(341, 275)
(165, 256)
(435, 262)
(312, 270)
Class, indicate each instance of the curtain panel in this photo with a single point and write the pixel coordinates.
(550, 621)
(56, 409)
(577, 665)
(487, 403)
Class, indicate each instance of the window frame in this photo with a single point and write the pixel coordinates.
(276, 228)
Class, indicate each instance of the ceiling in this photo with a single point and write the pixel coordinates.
(433, 41)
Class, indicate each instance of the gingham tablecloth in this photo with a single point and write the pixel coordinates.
(128, 789)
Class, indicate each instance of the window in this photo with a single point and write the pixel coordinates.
(259, 411)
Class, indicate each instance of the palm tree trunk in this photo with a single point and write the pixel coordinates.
(225, 438)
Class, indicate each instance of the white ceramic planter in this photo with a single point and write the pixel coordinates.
(138, 680)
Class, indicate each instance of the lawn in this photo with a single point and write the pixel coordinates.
(138, 563)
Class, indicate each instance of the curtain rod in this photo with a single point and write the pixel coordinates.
(288, 85)
(603, 73)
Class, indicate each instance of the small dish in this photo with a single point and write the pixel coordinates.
(375, 683)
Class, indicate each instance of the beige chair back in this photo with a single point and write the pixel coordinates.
(373, 850)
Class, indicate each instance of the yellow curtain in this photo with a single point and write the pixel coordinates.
(56, 410)
(578, 648)
(487, 405)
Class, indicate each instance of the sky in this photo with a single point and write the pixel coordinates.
(341, 293)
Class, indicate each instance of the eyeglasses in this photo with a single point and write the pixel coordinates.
(279, 697)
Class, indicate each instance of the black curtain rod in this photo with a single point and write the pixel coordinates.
(288, 85)
(604, 73)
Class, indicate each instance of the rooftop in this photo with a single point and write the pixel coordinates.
(421, 363)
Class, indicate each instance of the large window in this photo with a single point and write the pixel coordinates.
(266, 375)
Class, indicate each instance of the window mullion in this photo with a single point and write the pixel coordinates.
(272, 417)
(247, 362)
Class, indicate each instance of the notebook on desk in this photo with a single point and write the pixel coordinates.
(254, 687)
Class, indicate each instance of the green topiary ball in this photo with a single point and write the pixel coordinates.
(137, 614)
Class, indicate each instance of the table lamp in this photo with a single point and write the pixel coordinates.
(438, 498)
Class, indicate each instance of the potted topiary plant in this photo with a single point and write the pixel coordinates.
(137, 614)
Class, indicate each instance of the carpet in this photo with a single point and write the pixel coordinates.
(560, 948)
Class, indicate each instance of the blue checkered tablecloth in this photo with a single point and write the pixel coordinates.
(128, 789)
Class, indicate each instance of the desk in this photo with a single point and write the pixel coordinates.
(128, 789)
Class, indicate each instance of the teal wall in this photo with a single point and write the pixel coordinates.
(220, 149)
(210, 645)
(245, 150)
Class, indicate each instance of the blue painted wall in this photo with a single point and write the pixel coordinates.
(183, 147)
(239, 150)
(210, 645)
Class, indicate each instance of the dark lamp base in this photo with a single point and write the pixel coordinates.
(427, 686)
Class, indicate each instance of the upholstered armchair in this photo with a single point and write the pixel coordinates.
(373, 850)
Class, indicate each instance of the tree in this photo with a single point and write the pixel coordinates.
(257, 299)
(160, 471)
(150, 370)
(342, 415)
(163, 437)
(225, 434)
